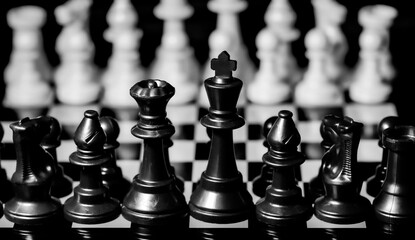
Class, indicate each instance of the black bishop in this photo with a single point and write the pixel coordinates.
(91, 202)
(283, 204)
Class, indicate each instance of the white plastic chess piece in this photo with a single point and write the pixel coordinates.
(268, 87)
(281, 18)
(124, 66)
(29, 94)
(369, 86)
(317, 89)
(176, 68)
(76, 78)
(378, 19)
(329, 15)
(123, 71)
(121, 17)
(227, 21)
(173, 13)
(26, 22)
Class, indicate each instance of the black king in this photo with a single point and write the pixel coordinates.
(221, 196)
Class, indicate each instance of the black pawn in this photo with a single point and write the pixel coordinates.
(61, 184)
(112, 176)
(394, 205)
(221, 196)
(168, 143)
(32, 204)
(91, 203)
(154, 201)
(342, 202)
(6, 188)
(375, 182)
(316, 188)
(283, 204)
(262, 181)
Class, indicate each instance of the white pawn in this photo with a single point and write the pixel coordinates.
(280, 18)
(268, 87)
(228, 21)
(317, 89)
(329, 16)
(378, 19)
(369, 86)
(26, 23)
(173, 13)
(76, 78)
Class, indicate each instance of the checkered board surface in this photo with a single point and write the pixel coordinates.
(190, 151)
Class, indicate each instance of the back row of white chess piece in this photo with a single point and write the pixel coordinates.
(78, 82)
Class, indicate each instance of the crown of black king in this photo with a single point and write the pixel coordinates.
(152, 97)
(223, 92)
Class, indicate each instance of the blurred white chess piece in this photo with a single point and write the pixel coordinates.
(280, 18)
(268, 86)
(369, 85)
(316, 88)
(76, 78)
(329, 16)
(28, 73)
(175, 61)
(124, 66)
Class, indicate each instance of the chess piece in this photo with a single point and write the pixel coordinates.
(175, 59)
(124, 65)
(342, 202)
(154, 201)
(368, 85)
(330, 15)
(316, 184)
(112, 176)
(76, 72)
(268, 86)
(61, 184)
(32, 204)
(27, 75)
(218, 41)
(90, 203)
(378, 19)
(26, 22)
(280, 19)
(283, 204)
(221, 197)
(262, 181)
(316, 88)
(168, 143)
(6, 188)
(375, 182)
(393, 206)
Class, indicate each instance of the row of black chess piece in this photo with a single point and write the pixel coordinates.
(154, 199)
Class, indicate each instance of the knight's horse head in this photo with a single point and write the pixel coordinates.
(344, 135)
(34, 164)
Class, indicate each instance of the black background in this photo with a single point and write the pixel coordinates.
(203, 22)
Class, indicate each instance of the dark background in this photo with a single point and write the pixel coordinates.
(203, 22)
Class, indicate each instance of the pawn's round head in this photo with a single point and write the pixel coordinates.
(316, 40)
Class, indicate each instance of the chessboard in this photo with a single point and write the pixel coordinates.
(190, 150)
